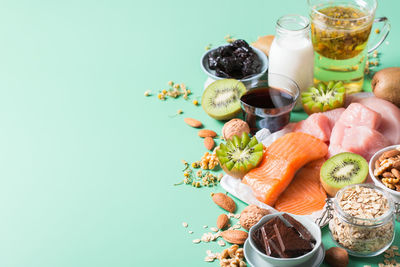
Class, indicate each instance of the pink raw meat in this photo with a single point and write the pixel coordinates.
(390, 124)
(333, 115)
(358, 139)
(317, 125)
(359, 115)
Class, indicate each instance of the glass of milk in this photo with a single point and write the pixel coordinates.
(292, 53)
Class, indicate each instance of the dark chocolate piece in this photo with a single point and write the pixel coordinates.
(273, 242)
(279, 237)
(266, 244)
(295, 245)
(299, 228)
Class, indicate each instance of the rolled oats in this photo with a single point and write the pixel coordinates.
(357, 230)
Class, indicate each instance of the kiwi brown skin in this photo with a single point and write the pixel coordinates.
(386, 84)
(234, 172)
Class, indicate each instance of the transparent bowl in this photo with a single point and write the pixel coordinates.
(211, 73)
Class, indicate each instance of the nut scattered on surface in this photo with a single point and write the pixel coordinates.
(209, 143)
(193, 122)
(196, 241)
(235, 236)
(222, 221)
(235, 127)
(209, 161)
(206, 133)
(251, 215)
(224, 202)
(337, 257)
(184, 224)
(233, 256)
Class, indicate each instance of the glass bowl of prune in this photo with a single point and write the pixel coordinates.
(237, 60)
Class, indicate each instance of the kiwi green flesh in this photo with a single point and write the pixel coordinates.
(238, 157)
(324, 97)
(220, 100)
(344, 169)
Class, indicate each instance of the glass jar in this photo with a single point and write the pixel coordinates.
(363, 220)
(292, 53)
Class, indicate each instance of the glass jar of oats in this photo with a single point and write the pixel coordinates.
(363, 220)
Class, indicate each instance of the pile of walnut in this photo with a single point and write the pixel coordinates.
(387, 169)
(232, 256)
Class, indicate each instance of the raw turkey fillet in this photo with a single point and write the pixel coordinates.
(317, 124)
(361, 140)
(360, 115)
(333, 115)
(356, 131)
(281, 160)
(390, 123)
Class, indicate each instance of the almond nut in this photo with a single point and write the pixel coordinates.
(208, 133)
(193, 122)
(209, 143)
(222, 221)
(224, 202)
(235, 236)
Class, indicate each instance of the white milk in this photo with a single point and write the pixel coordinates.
(292, 53)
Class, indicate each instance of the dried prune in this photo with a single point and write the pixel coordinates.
(236, 60)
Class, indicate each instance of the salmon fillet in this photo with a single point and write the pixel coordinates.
(281, 160)
(305, 193)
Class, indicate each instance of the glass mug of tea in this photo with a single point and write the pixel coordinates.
(340, 30)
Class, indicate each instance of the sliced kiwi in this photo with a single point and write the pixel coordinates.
(220, 100)
(239, 155)
(342, 170)
(323, 97)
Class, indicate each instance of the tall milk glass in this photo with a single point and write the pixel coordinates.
(292, 53)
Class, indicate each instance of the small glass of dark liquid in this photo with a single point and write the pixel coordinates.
(268, 103)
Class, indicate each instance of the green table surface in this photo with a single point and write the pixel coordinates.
(87, 163)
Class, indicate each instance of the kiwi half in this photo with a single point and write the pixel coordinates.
(342, 170)
(323, 97)
(220, 100)
(239, 155)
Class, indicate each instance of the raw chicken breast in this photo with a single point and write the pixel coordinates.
(359, 139)
(359, 115)
(363, 141)
(356, 131)
(333, 115)
(390, 123)
(317, 125)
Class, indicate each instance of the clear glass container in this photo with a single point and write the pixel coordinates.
(292, 53)
(364, 235)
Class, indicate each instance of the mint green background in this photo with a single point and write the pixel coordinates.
(87, 163)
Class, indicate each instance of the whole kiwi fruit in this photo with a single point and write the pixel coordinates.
(386, 84)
